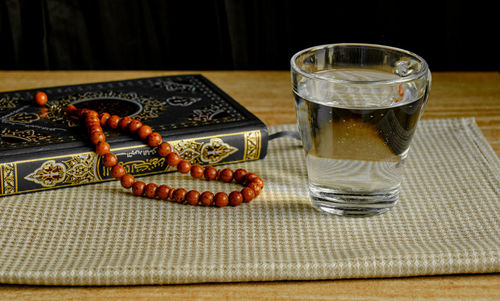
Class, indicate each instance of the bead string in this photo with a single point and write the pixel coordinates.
(94, 122)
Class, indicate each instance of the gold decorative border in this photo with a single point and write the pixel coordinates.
(8, 178)
(253, 145)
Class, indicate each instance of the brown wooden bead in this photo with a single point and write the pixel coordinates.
(210, 173)
(164, 149)
(184, 166)
(162, 192)
(226, 175)
(235, 198)
(250, 176)
(144, 131)
(41, 98)
(109, 160)
(81, 112)
(124, 122)
(221, 199)
(118, 171)
(239, 175)
(154, 139)
(127, 180)
(95, 128)
(173, 159)
(248, 194)
(171, 193)
(103, 118)
(255, 187)
(91, 129)
(71, 110)
(90, 113)
(138, 188)
(97, 137)
(134, 126)
(150, 190)
(179, 195)
(207, 198)
(197, 171)
(259, 181)
(94, 125)
(113, 121)
(102, 148)
(92, 120)
(192, 197)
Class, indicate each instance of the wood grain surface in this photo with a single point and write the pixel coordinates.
(268, 95)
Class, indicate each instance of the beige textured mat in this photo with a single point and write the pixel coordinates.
(447, 221)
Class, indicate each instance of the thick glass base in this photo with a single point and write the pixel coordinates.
(353, 204)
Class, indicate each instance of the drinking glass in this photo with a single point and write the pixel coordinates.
(357, 108)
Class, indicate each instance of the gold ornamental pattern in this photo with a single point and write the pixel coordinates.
(188, 150)
(24, 117)
(29, 135)
(80, 169)
(49, 174)
(8, 178)
(9, 102)
(252, 145)
(216, 150)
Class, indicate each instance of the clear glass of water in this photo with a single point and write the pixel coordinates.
(357, 107)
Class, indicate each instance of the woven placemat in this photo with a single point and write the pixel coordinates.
(447, 221)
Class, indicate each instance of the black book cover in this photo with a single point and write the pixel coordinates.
(40, 148)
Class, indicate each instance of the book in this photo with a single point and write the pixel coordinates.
(40, 148)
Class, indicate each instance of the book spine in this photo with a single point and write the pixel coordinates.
(72, 169)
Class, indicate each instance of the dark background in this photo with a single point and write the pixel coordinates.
(238, 34)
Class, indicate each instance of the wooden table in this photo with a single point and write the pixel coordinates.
(268, 95)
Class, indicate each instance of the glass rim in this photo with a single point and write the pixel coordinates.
(422, 72)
